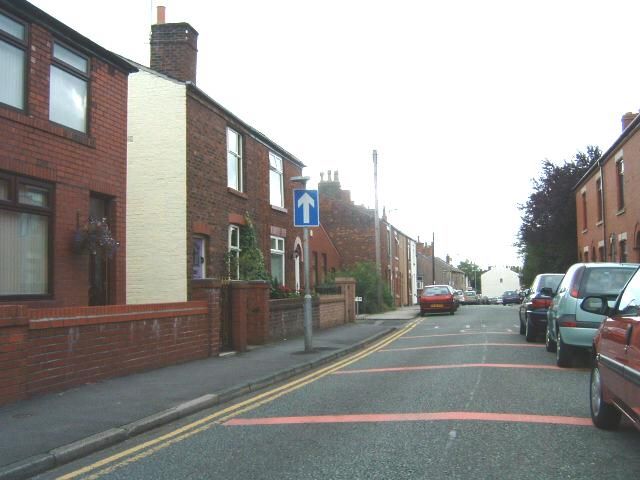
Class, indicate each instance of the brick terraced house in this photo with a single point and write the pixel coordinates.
(63, 114)
(351, 229)
(195, 170)
(607, 203)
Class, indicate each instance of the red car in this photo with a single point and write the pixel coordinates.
(438, 298)
(615, 376)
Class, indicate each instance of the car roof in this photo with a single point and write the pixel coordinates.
(608, 264)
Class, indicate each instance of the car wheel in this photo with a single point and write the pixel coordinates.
(564, 352)
(530, 333)
(549, 344)
(522, 329)
(452, 312)
(604, 415)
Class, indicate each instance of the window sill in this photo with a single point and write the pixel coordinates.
(600, 222)
(47, 126)
(620, 212)
(585, 230)
(279, 209)
(237, 193)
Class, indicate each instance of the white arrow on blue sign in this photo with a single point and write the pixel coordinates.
(306, 208)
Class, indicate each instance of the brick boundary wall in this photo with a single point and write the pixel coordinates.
(53, 349)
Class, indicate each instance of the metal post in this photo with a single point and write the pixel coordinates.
(308, 322)
(377, 230)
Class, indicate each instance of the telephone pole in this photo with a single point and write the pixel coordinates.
(377, 229)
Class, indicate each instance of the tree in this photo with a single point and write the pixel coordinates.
(473, 273)
(547, 236)
(367, 279)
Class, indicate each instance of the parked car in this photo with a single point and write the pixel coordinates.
(458, 295)
(536, 302)
(511, 296)
(437, 298)
(615, 372)
(570, 327)
(469, 297)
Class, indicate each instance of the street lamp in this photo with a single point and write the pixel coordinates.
(308, 325)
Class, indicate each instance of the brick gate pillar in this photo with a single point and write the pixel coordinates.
(209, 289)
(348, 288)
(14, 335)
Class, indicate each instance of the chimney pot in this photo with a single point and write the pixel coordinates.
(160, 14)
(328, 175)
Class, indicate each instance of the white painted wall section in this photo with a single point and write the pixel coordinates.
(156, 190)
(498, 280)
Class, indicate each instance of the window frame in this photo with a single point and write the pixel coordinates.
(280, 252)
(584, 210)
(22, 44)
(234, 248)
(203, 239)
(13, 205)
(279, 172)
(238, 160)
(620, 182)
(599, 197)
(73, 71)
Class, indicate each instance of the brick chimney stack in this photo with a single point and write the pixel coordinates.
(627, 118)
(174, 49)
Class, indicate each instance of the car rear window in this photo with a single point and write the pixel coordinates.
(604, 281)
(432, 291)
(509, 293)
(550, 281)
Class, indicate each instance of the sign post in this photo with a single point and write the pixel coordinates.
(306, 213)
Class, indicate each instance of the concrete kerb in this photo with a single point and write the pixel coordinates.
(37, 464)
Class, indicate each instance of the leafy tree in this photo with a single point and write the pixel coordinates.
(250, 260)
(367, 279)
(547, 236)
(473, 273)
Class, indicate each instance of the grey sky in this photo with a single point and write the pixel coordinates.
(462, 99)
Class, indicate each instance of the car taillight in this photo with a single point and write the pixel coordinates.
(574, 288)
(541, 303)
(567, 321)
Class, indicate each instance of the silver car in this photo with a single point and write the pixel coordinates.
(568, 326)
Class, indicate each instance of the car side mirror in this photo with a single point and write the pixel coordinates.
(597, 305)
(548, 291)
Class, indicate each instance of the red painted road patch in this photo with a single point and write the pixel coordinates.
(412, 417)
(429, 347)
(461, 365)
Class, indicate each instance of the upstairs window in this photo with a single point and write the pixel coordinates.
(234, 160)
(68, 88)
(620, 183)
(599, 199)
(584, 210)
(13, 47)
(275, 180)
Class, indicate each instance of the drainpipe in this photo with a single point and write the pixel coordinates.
(604, 212)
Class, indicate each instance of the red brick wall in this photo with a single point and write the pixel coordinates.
(211, 203)
(75, 163)
(48, 350)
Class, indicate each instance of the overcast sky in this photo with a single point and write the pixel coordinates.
(463, 100)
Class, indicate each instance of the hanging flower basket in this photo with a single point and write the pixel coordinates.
(93, 237)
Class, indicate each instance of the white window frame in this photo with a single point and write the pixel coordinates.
(278, 248)
(234, 161)
(234, 250)
(202, 269)
(276, 192)
(16, 39)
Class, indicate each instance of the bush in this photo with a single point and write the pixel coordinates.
(367, 279)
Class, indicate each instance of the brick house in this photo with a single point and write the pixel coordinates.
(325, 257)
(195, 171)
(63, 113)
(445, 273)
(608, 205)
(352, 231)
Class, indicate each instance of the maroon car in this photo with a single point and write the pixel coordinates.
(437, 299)
(615, 376)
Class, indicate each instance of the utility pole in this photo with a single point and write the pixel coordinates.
(433, 258)
(377, 230)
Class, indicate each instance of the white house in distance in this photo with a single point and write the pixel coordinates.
(498, 280)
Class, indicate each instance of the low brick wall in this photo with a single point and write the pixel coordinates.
(286, 318)
(49, 350)
(331, 311)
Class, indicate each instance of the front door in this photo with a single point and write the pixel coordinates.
(98, 261)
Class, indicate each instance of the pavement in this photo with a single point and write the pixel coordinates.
(44, 432)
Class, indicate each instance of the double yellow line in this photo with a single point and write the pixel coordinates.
(146, 449)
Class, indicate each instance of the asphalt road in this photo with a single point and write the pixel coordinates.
(451, 397)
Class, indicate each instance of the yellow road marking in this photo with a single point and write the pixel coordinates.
(152, 446)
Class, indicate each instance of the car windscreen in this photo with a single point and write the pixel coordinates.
(433, 291)
(509, 293)
(604, 280)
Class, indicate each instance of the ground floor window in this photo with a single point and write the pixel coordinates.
(199, 257)
(25, 231)
(277, 259)
(234, 252)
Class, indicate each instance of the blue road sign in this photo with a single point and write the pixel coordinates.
(306, 208)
